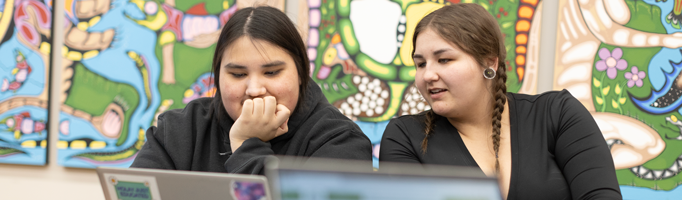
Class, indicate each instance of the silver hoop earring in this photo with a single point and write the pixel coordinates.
(489, 73)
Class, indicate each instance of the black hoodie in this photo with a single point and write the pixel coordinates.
(196, 138)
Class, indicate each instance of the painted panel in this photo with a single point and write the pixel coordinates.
(25, 28)
(621, 59)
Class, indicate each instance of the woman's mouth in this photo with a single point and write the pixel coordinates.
(436, 91)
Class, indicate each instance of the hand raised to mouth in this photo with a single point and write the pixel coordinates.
(262, 118)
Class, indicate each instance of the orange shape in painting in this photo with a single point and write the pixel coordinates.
(336, 39)
(68, 7)
(520, 60)
(526, 12)
(519, 71)
(521, 50)
(521, 39)
(531, 2)
(522, 26)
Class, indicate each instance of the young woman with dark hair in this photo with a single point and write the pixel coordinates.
(265, 104)
(544, 146)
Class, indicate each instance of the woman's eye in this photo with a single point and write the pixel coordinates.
(271, 73)
(237, 75)
(443, 61)
(422, 64)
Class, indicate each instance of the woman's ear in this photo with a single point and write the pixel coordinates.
(493, 63)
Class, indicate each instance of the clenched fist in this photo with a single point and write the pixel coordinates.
(262, 118)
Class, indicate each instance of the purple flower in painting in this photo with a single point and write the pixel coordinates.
(635, 77)
(611, 62)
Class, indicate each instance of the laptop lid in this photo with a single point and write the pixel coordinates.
(157, 184)
(296, 178)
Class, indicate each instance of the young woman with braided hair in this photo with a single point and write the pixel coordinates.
(544, 146)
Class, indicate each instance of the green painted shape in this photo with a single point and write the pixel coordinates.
(213, 7)
(645, 17)
(7, 151)
(343, 8)
(328, 90)
(92, 93)
(405, 72)
(374, 68)
(109, 157)
(346, 31)
(132, 191)
(186, 71)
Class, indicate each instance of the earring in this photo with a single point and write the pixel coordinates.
(489, 73)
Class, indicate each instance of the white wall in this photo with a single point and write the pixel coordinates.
(18, 182)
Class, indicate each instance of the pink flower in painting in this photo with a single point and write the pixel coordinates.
(151, 8)
(21, 75)
(10, 123)
(27, 126)
(64, 127)
(111, 125)
(38, 126)
(635, 77)
(611, 62)
(5, 85)
(14, 85)
(22, 65)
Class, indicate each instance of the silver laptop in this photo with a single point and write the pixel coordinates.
(301, 179)
(157, 184)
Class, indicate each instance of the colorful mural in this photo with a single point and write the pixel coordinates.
(622, 60)
(163, 50)
(25, 27)
(127, 61)
(360, 55)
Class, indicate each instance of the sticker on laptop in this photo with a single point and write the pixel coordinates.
(127, 187)
(246, 190)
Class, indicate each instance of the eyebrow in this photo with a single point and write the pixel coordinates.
(437, 52)
(268, 65)
(440, 51)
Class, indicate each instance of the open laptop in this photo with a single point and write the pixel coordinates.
(157, 184)
(295, 178)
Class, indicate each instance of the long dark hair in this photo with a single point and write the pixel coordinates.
(476, 32)
(267, 24)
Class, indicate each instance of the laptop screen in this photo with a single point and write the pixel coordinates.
(305, 185)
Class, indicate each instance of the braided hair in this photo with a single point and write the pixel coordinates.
(476, 32)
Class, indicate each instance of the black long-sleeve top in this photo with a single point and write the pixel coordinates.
(558, 151)
(196, 138)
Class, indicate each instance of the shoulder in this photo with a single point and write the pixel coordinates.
(552, 101)
(410, 120)
(555, 109)
(545, 97)
(197, 107)
(197, 114)
(330, 119)
(407, 125)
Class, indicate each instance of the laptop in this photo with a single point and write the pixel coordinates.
(158, 184)
(295, 178)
